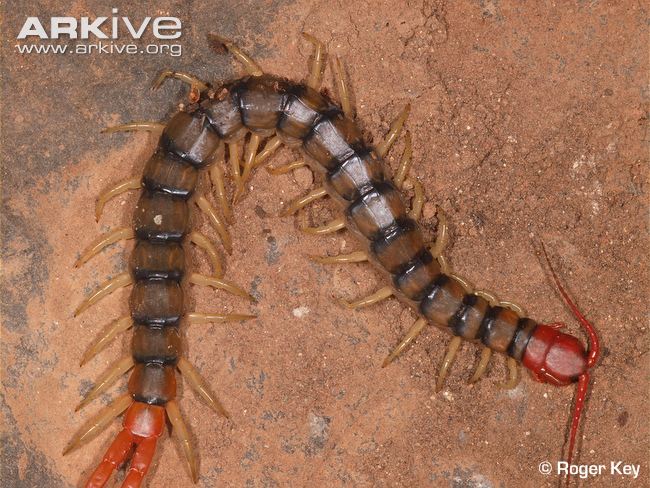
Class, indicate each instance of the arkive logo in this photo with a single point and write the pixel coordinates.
(86, 28)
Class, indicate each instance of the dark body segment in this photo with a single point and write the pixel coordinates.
(303, 108)
(158, 260)
(261, 100)
(169, 174)
(498, 328)
(153, 383)
(191, 137)
(359, 174)
(525, 329)
(333, 140)
(442, 300)
(157, 264)
(223, 113)
(394, 246)
(156, 344)
(156, 302)
(417, 275)
(467, 320)
(158, 217)
(378, 209)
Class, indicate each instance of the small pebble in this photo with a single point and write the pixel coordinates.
(304, 177)
(300, 312)
(429, 210)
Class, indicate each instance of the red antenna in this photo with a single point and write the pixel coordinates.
(592, 357)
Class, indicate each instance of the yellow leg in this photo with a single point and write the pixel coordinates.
(108, 287)
(354, 257)
(342, 88)
(216, 177)
(204, 243)
(200, 386)
(518, 309)
(442, 262)
(117, 326)
(106, 380)
(376, 297)
(329, 228)
(280, 170)
(199, 279)
(207, 208)
(180, 429)
(442, 235)
(249, 159)
(467, 286)
(121, 187)
(494, 301)
(270, 147)
(134, 126)
(410, 336)
(98, 423)
(209, 318)
(513, 374)
(103, 241)
(486, 354)
(196, 86)
(488, 296)
(234, 155)
(418, 200)
(299, 203)
(316, 61)
(404, 162)
(394, 132)
(251, 67)
(452, 350)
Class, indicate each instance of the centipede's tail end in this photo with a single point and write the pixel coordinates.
(143, 425)
(592, 356)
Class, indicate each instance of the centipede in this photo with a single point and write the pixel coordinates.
(237, 126)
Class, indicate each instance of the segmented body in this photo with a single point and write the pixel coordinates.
(375, 211)
(161, 224)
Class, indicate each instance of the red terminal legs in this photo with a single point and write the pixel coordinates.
(143, 424)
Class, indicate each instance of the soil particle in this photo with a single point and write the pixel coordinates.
(304, 178)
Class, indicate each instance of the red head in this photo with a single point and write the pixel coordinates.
(560, 359)
(554, 357)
